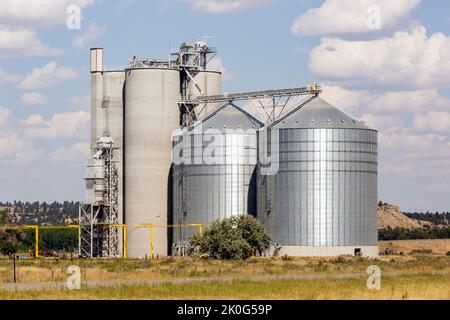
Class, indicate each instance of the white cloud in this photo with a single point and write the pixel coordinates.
(389, 101)
(410, 101)
(406, 59)
(23, 43)
(48, 75)
(348, 100)
(62, 126)
(219, 6)
(4, 115)
(92, 33)
(71, 156)
(33, 98)
(383, 122)
(38, 12)
(5, 77)
(16, 151)
(350, 17)
(216, 64)
(80, 103)
(433, 121)
(406, 152)
(34, 120)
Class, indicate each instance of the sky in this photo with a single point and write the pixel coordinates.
(384, 62)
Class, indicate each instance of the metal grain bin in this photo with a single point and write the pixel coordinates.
(214, 170)
(322, 199)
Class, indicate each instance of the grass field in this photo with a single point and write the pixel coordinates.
(406, 276)
(401, 287)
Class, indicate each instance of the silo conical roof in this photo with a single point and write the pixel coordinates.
(229, 116)
(316, 113)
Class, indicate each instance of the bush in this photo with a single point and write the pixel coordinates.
(388, 252)
(233, 238)
(421, 251)
(286, 258)
(448, 253)
(9, 242)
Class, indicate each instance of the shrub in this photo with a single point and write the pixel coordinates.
(9, 242)
(233, 238)
(286, 258)
(388, 252)
(421, 251)
(448, 253)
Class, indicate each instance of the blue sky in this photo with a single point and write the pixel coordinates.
(389, 67)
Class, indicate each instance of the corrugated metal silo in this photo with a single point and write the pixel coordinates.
(151, 117)
(322, 200)
(217, 176)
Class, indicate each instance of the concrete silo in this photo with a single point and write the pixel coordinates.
(106, 125)
(321, 200)
(151, 116)
(214, 172)
(205, 83)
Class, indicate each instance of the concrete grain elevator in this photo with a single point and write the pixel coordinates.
(320, 201)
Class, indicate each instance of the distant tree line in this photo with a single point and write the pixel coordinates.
(43, 213)
(439, 218)
(13, 241)
(435, 232)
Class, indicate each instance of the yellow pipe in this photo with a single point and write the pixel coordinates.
(200, 228)
(124, 235)
(152, 237)
(36, 238)
(37, 241)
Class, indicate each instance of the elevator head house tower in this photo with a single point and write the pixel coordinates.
(321, 200)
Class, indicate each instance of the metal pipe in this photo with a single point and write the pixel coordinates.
(124, 232)
(14, 267)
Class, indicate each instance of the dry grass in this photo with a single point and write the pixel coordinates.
(406, 246)
(405, 285)
(401, 287)
(45, 270)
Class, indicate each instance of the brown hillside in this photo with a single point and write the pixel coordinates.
(390, 216)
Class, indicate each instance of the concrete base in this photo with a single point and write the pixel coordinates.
(324, 251)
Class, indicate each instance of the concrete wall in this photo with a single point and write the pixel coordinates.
(325, 251)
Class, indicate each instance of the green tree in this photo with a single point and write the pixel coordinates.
(232, 238)
(9, 241)
(3, 218)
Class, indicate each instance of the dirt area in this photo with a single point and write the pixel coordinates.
(391, 216)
